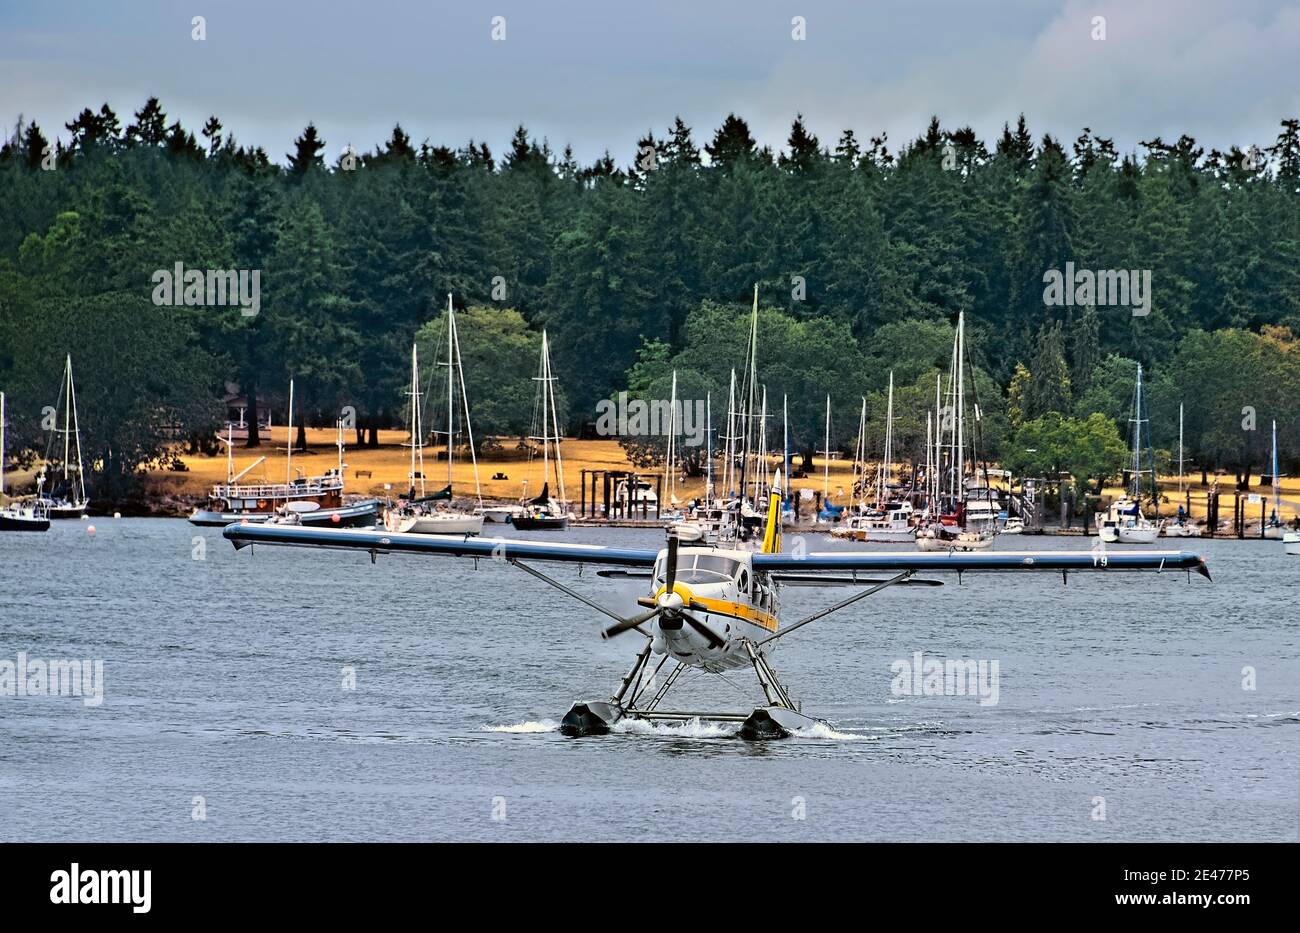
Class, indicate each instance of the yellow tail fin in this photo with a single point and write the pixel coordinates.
(772, 533)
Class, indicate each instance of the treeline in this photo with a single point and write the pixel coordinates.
(633, 262)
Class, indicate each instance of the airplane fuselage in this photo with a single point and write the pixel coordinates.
(718, 588)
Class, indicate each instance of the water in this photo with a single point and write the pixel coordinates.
(224, 680)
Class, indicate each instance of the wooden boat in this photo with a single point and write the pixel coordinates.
(314, 500)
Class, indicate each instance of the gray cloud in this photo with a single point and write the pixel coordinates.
(599, 75)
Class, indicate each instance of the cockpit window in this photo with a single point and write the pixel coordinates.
(701, 568)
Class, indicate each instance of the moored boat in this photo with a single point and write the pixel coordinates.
(315, 500)
(19, 515)
(67, 496)
(1123, 521)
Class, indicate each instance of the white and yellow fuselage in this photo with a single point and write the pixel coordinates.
(718, 587)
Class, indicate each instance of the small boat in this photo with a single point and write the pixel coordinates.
(363, 514)
(502, 514)
(542, 513)
(432, 514)
(1180, 528)
(1123, 522)
(1182, 525)
(946, 479)
(950, 538)
(1014, 526)
(892, 525)
(314, 500)
(1274, 529)
(67, 496)
(1291, 543)
(25, 515)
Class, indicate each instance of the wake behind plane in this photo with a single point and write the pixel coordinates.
(709, 607)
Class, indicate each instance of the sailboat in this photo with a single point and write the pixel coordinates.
(68, 498)
(1181, 526)
(729, 519)
(671, 509)
(890, 519)
(427, 514)
(1273, 528)
(946, 529)
(1124, 522)
(306, 500)
(543, 513)
(27, 515)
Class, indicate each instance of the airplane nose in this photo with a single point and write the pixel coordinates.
(670, 602)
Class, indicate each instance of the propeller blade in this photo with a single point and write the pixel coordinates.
(672, 563)
(618, 628)
(711, 636)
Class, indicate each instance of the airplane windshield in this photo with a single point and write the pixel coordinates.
(701, 568)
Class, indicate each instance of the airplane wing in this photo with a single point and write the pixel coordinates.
(932, 562)
(387, 542)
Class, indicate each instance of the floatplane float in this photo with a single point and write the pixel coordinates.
(711, 608)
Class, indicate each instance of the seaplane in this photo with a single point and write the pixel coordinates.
(709, 607)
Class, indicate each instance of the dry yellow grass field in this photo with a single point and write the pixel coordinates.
(390, 464)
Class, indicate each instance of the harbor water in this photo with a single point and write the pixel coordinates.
(291, 694)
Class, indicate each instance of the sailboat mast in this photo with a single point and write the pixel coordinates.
(1277, 489)
(288, 447)
(546, 443)
(76, 428)
(708, 449)
(2, 444)
(672, 434)
(826, 454)
(929, 429)
(67, 411)
(729, 466)
(1137, 437)
(464, 396)
(959, 477)
(760, 467)
(751, 378)
(451, 391)
(860, 454)
(555, 425)
(1180, 449)
(889, 440)
(785, 440)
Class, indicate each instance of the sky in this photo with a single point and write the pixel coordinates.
(598, 76)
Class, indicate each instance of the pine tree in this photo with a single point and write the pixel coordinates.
(306, 154)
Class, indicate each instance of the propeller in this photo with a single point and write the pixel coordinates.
(669, 603)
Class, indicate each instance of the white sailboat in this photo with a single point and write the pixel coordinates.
(889, 520)
(68, 498)
(670, 510)
(543, 512)
(1274, 529)
(946, 530)
(430, 514)
(1290, 539)
(1123, 521)
(25, 515)
(1182, 525)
